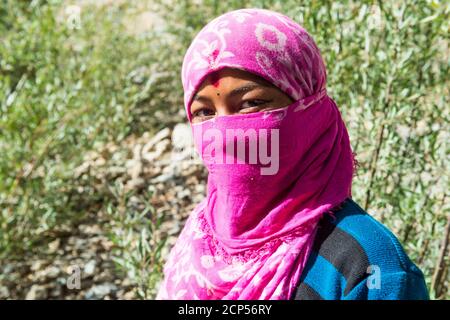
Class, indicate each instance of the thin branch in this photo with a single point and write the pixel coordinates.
(441, 263)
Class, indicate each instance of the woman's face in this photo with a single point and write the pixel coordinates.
(232, 91)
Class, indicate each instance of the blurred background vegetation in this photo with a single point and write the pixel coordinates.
(79, 77)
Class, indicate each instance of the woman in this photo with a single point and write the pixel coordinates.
(278, 221)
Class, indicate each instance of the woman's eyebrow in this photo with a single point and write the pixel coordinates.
(201, 98)
(249, 86)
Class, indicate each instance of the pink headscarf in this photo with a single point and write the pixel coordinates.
(252, 235)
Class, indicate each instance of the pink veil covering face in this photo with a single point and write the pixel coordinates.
(252, 235)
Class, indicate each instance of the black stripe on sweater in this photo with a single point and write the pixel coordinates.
(343, 252)
(305, 292)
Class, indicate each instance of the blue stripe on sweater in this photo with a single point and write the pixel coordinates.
(322, 276)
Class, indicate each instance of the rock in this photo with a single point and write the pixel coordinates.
(134, 168)
(37, 292)
(421, 127)
(182, 194)
(156, 146)
(104, 255)
(89, 268)
(129, 295)
(80, 244)
(115, 171)
(170, 227)
(56, 292)
(88, 253)
(100, 291)
(182, 136)
(54, 246)
(37, 265)
(4, 292)
(107, 245)
(71, 241)
(137, 150)
(137, 76)
(163, 178)
(82, 169)
(61, 281)
(52, 272)
(200, 188)
(183, 148)
(105, 276)
(126, 282)
(160, 148)
(161, 135)
(182, 139)
(92, 229)
(99, 162)
(135, 184)
(8, 268)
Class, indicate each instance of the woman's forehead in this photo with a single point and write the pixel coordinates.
(232, 76)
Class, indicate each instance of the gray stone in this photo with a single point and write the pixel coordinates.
(52, 272)
(100, 291)
(89, 268)
(37, 292)
(4, 292)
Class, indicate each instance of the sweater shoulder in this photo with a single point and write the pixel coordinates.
(380, 245)
(349, 247)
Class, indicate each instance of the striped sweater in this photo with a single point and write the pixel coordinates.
(356, 258)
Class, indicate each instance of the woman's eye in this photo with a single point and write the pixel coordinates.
(253, 103)
(204, 112)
